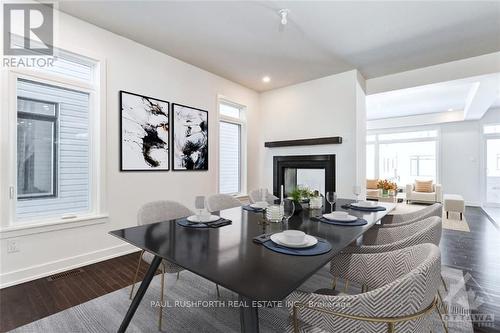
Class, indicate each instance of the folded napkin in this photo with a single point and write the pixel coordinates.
(322, 247)
(214, 224)
(365, 209)
(252, 209)
(355, 223)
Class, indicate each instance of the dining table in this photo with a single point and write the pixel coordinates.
(229, 256)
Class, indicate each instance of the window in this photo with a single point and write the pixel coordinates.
(54, 156)
(231, 128)
(402, 157)
(36, 148)
(491, 129)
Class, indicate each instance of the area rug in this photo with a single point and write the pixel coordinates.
(453, 221)
(192, 306)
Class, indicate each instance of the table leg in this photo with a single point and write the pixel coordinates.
(140, 293)
(249, 316)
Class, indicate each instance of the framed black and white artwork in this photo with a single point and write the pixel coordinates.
(190, 138)
(145, 133)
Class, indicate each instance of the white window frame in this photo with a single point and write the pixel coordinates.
(242, 122)
(376, 142)
(97, 155)
(482, 160)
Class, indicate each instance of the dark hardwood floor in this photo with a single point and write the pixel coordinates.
(30, 301)
(476, 252)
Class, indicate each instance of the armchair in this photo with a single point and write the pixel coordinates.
(431, 197)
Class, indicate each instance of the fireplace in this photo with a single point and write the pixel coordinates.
(317, 172)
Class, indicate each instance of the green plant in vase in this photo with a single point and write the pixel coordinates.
(300, 195)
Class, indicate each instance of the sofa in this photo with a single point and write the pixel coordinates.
(372, 191)
(433, 195)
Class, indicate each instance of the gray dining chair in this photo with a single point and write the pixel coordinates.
(402, 219)
(153, 212)
(217, 202)
(255, 195)
(403, 286)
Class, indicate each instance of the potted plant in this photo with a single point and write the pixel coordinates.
(300, 196)
(386, 186)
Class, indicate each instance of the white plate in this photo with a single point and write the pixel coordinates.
(257, 206)
(196, 219)
(372, 204)
(348, 218)
(308, 241)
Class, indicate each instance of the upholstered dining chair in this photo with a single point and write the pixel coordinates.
(402, 219)
(152, 212)
(403, 286)
(216, 202)
(383, 239)
(255, 195)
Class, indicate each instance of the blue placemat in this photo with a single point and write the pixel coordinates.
(251, 209)
(356, 223)
(215, 224)
(374, 209)
(322, 247)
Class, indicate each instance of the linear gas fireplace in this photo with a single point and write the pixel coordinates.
(317, 172)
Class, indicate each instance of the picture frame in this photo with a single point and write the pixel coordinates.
(144, 133)
(190, 138)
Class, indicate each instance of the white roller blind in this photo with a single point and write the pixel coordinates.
(229, 157)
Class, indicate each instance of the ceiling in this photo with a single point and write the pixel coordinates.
(473, 96)
(244, 40)
(433, 98)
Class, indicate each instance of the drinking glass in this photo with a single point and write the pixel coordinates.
(356, 189)
(288, 209)
(199, 204)
(331, 197)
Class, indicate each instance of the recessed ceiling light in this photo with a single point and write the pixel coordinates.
(266, 79)
(450, 109)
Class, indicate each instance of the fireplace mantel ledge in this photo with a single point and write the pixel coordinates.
(304, 142)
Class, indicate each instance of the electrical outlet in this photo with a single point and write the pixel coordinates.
(12, 246)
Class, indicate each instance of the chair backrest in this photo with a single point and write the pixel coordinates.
(255, 195)
(432, 210)
(415, 273)
(428, 230)
(159, 211)
(217, 202)
(401, 283)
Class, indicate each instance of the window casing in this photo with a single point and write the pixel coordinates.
(67, 102)
(231, 147)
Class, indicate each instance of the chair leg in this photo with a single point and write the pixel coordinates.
(334, 283)
(390, 327)
(445, 310)
(461, 216)
(162, 297)
(444, 284)
(136, 273)
(346, 285)
(218, 291)
(295, 320)
(178, 274)
(442, 320)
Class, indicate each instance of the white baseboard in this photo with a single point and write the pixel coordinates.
(39, 271)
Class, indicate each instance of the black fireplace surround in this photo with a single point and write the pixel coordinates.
(281, 163)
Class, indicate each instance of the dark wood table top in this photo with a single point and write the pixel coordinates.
(228, 256)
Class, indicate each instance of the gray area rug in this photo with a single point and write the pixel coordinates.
(192, 306)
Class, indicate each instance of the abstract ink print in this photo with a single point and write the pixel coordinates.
(190, 138)
(144, 133)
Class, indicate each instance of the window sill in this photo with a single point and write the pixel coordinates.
(54, 225)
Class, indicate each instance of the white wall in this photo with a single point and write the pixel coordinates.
(460, 150)
(330, 106)
(138, 69)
